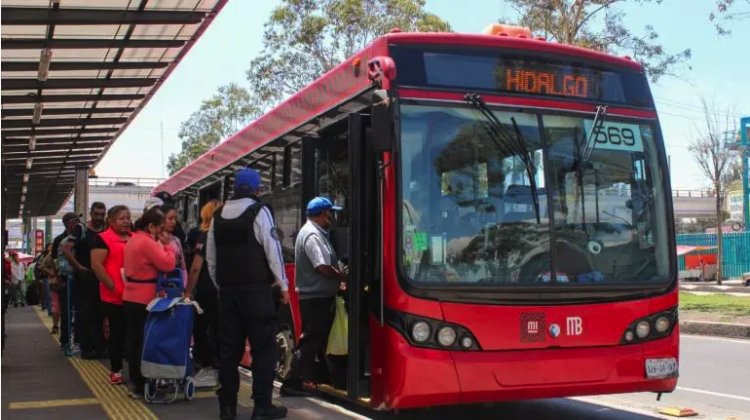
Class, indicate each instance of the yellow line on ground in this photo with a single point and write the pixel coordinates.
(25, 405)
(205, 394)
(244, 395)
(113, 398)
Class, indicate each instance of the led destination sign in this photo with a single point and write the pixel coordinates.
(519, 73)
(545, 83)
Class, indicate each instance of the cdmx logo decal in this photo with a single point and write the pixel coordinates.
(532, 327)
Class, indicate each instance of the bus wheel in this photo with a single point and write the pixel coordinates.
(285, 345)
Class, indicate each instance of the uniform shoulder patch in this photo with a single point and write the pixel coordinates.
(276, 233)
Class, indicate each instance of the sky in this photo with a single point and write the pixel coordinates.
(718, 71)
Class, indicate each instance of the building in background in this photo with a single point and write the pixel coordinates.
(132, 192)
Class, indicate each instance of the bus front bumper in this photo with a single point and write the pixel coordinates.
(421, 377)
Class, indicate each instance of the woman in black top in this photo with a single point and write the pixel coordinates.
(202, 288)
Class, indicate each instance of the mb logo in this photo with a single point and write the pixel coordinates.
(574, 326)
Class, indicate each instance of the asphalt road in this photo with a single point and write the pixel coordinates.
(714, 381)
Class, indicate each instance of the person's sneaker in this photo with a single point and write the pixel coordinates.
(55, 330)
(115, 378)
(205, 378)
(270, 412)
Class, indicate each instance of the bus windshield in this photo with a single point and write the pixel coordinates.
(521, 198)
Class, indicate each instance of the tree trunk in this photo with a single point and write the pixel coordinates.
(719, 240)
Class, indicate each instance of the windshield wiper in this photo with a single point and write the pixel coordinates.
(588, 149)
(508, 144)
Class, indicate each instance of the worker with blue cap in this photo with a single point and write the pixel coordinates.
(245, 262)
(318, 277)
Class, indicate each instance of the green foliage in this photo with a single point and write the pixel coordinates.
(225, 113)
(717, 302)
(305, 38)
(599, 25)
(728, 11)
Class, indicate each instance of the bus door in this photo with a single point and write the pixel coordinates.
(337, 165)
(364, 221)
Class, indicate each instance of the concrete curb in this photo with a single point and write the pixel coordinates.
(714, 288)
(719, 329)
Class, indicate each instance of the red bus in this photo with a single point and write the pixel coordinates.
(507, 216)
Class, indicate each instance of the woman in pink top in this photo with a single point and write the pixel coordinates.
(107, 256)
(146, 255)
(170, 223)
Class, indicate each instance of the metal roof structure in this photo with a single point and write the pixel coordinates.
(74, 75)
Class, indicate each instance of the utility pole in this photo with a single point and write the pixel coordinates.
(162, 148)
(745, 144)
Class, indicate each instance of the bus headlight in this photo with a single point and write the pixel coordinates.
(642, 329)
(652, 327)
(420, 331)
(432, 333)
(662, 324)
(446, 336)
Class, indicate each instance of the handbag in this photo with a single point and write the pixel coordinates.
(338, 339)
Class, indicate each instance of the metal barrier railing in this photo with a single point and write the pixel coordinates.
(693, 193)
(736, 250)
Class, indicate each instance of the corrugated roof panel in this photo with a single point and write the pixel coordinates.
(105, 64)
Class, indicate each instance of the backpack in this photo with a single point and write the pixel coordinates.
(63, 265)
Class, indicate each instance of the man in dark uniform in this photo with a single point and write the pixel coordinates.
(245, 261)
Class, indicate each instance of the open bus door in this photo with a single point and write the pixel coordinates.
(341, 165)
(364, 222)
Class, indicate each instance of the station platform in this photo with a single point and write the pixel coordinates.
(40, 382)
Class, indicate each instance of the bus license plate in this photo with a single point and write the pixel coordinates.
(661, 368)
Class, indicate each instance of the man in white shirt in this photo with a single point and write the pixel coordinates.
(318, 278)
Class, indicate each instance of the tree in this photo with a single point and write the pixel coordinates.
(305, 38)
(225, 113)
(727, 11)
(713, 156)
(598, 24)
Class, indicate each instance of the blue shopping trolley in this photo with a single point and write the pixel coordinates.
(165, 362)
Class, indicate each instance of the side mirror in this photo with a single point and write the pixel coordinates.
(382, 134)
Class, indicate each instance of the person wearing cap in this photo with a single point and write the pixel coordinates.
(245, 263)
(318, 279)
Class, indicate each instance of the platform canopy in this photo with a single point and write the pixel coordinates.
(74, 75)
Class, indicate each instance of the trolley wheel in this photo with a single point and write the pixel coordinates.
(149, 391)
(189, 388)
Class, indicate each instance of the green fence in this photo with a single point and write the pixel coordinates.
(736, 250)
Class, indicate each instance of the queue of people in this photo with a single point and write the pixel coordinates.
(105, 272)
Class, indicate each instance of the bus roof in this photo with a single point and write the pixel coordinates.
(296, 117)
